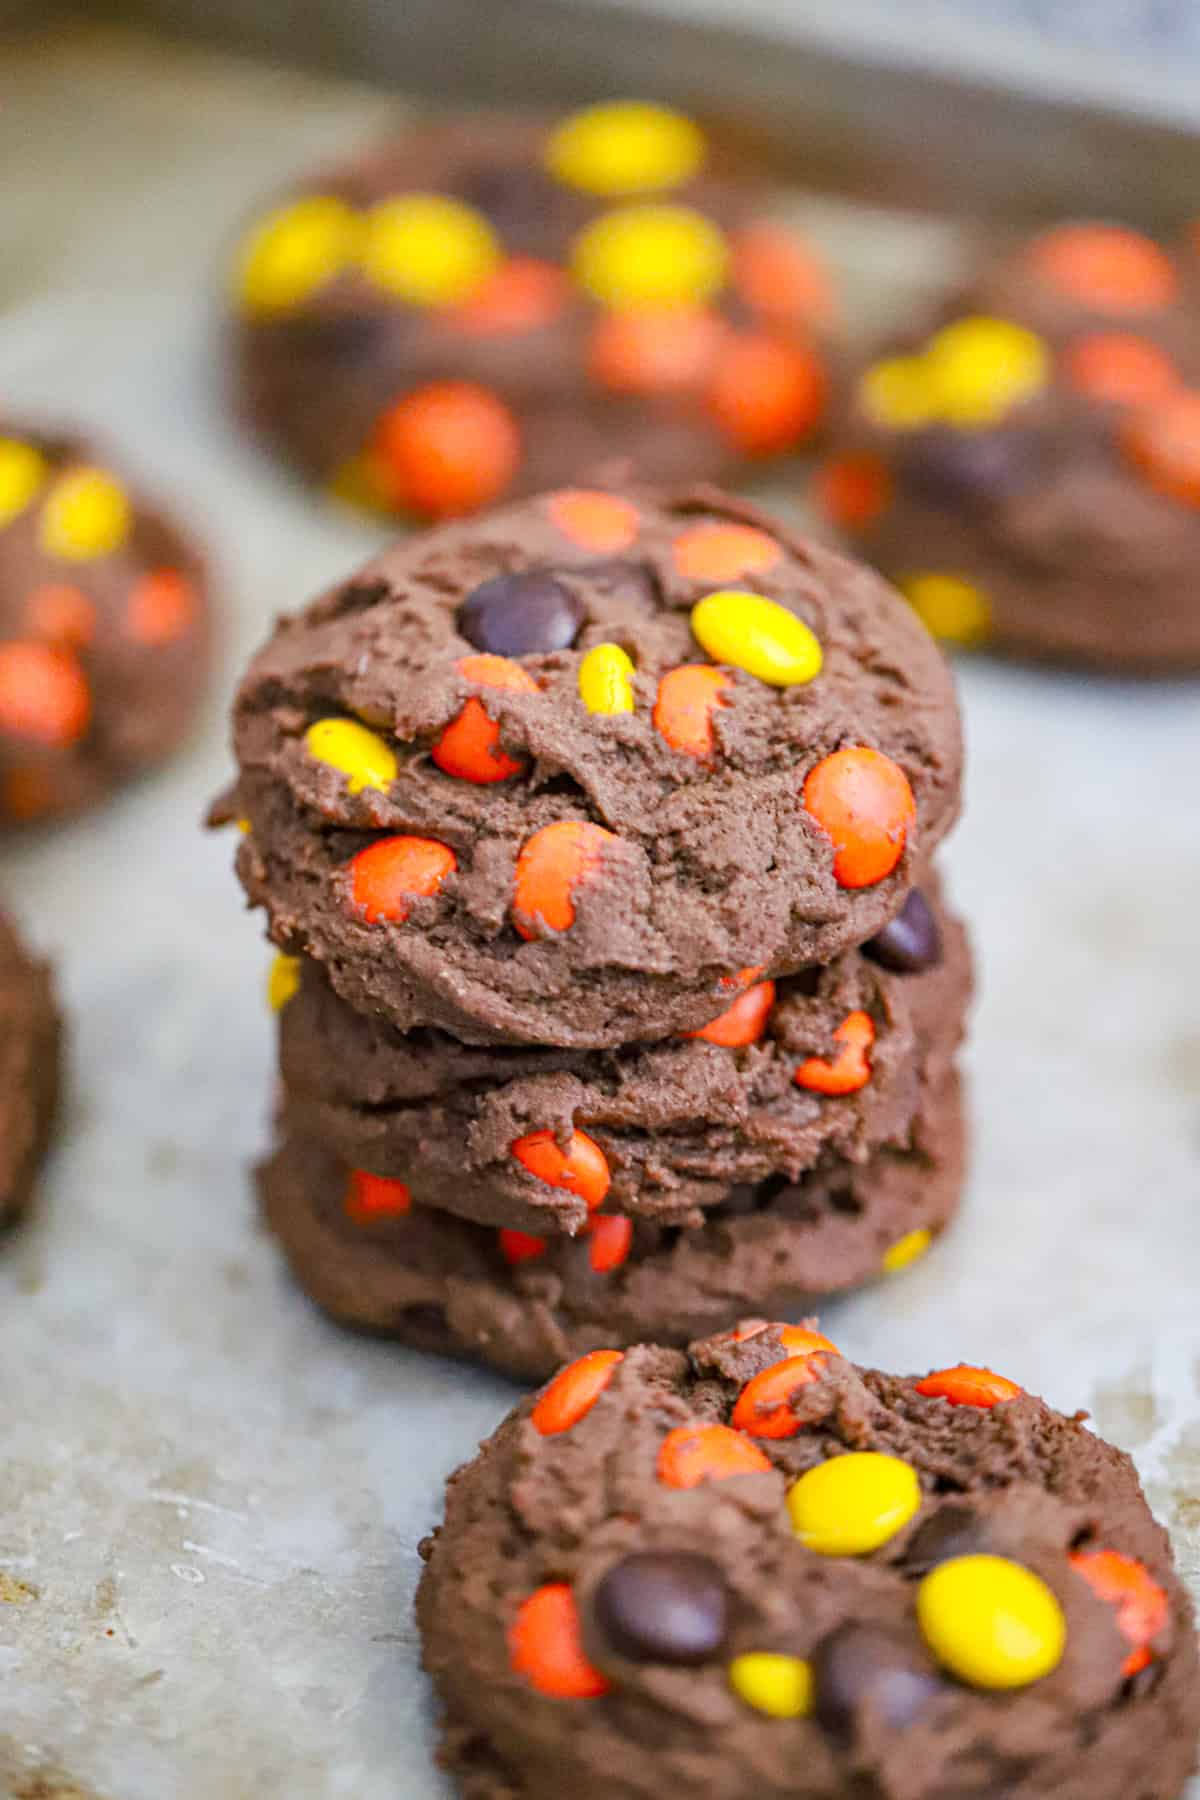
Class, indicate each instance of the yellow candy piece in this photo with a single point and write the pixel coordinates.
(980, 369)
(294, 251)
(355, 483)
(991, 1622)
(748, 632)
(23, 474)
(948, 607)
(86, 514)
(898, 393)
(852, 1504)
(906, 1250)
(779, 1685)
(428, 249)
(625, 147)
(651, 256)
(282, 981)
(358, 752)
(606, 680)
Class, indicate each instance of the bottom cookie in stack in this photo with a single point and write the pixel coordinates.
(365, 1253)
(30, 1035)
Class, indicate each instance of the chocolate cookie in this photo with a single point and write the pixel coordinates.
(103, 628)
(30, 1042)
(489, 306)
(1025, 466)
(833, 1060)
(754, 1568)
(362, 1249)
(577, 772)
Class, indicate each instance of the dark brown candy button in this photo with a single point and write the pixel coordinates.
(663, 1606)
(968, 467)
(520, 614)
(951, 1531)
(910, 942)
(862, 1674)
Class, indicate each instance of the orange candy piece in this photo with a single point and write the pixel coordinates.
(550, 866)
(1107, 268)
(741, 978)
(468, 747)
(445, 449)
(582, 1168)
(574, 1391)
(656, 352)
(521, 1246)
(595, 520)
(762, 1407)
(683, 711)
(1163, 441)
(742, 1023)
(862, 800)
(546, 1647)
(692, 1454)
(62, 614)
(767, 395)
(522, 294)
(853, 491)
(777, 275)
(850, 1069)
(610, 1240)
(162, 607)
(369, 1198)
(390, 873)
(1119, 368)
(966, 1386)
(1126, 1585)
(716, 552)
(44, 695)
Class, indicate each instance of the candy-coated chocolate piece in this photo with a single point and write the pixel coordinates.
(742, 1023)
(906, 1250)
(977, 469)
(521, 1246)
(469, 746)
(683, 710)
(86, 514)
(573, 1392)
(911, 942)
(692, 1454)
(162, 607)
(780, 277)
(546, 1648)
(992, 1622)
(525, 613)
(606, 680)
(1105, 268)
(283, 980)
(1141, 1605)
(953, 1530)
(949, 607)
(294, 251)
(610, 1239)
(445, 449)
(1119, 368)
(1163, 442)
(767, 395)
(853, 1504)
(651, 255)
(981, 369)
(582, 1168)
(550, 867)
(862, 800)
(392, 872)
(370, 1198)
(780, 1686)
(854, 490)
(763, 1408)
(24, 472)
(62, 614)
(523, 293)
(715, 552)
(594, 520)
(656, 350)
(356, 751)
(44, 695)
(866, 1675)
(898, 393)
(967, 1386)
(625, 147)
(427, 249)
(758, 635)
(850, 1069)
(668, 1606)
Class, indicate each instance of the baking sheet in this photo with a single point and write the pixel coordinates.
(210, 1499)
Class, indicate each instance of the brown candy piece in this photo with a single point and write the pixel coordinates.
(863, 1672)
(663, 1606)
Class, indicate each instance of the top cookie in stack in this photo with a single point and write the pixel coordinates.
(572, 773)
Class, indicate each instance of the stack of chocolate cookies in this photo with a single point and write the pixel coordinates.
(617, 994)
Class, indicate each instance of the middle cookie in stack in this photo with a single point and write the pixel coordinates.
(626, 1000)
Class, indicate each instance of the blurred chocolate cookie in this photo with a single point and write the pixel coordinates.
(30, 1045)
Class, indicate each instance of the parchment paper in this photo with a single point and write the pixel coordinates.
(210, 1499)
